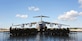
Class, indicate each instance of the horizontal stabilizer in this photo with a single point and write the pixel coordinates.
(41, 16)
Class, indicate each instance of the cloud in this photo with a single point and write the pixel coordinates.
(70, 15)
(21, 16)
(80, 13)
(80, 2)
(33, 8)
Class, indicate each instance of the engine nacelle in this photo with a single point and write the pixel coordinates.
(59, 25)
(51, 25)
(30, 25)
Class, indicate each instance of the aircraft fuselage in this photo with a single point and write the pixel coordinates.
(41, 25)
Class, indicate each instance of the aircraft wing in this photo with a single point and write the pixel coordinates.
(51, 23)
(21, 24)
(33, 22)
(56, 23)
(47, 22)
(60, 24)
(16, 25)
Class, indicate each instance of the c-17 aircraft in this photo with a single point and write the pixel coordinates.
(41, 24)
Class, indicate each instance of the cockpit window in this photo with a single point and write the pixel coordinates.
(40, 24)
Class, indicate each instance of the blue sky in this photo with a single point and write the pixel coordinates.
(22, 11)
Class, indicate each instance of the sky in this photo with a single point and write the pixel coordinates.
(22, 11)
